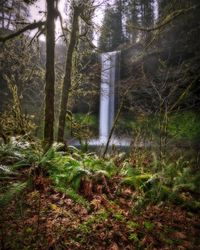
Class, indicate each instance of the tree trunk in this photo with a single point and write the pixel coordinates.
(50, 74)
(67, 79)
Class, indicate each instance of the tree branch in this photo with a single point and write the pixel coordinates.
(31, 26)
(168, 19)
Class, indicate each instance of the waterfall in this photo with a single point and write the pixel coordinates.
(110, 69)
(109, 78)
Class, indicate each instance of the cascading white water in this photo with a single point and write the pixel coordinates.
(109, 73)
(110, 68)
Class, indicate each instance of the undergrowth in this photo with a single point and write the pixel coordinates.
(81, 198)
(80, 174)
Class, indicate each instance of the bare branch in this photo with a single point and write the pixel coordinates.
(31, 26)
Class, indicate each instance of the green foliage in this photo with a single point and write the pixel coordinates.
(180, 125)
(173, 178)
(137, 181)
(11, 192)
(137, 125)
(111, 30)
(13, 121)
(19, 152)
(100, 217)
(148, 225)
(165, 180)
(184, 125)
(178, 175)
(82, 126)
(134, 237)
(119, 216)
(7, 173)
(187, 179)
(10, 151)
(133, 176)
(129, 170)
(75, 196)
(67, 171)
(132, 225)
(86, 119)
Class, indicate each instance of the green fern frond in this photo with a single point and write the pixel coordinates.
(75, 197)
(12, 191)
(6, 172)
(102, 172)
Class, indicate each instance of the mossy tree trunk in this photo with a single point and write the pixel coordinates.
(50, 73)
(68, 72)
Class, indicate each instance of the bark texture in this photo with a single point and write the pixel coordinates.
(67, 79)
(50, 74)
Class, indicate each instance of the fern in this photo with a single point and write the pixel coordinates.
(6, 172)
(133, 177)
(67, 171)
(187, 180)
(137, 181)
(12, 191)
(75, 197)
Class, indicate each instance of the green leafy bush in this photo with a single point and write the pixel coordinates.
(184, 125)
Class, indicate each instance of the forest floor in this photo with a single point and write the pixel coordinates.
(43, 218)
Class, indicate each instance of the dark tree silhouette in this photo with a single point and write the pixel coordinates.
(50, 73)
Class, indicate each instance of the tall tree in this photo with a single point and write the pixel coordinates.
(83, 10)
(112, 29)
(146, 17)
(132, 19)
(50, 73)
(119, 19)
(68, 71)
(147, 12)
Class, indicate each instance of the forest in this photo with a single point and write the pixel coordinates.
(99, 124)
